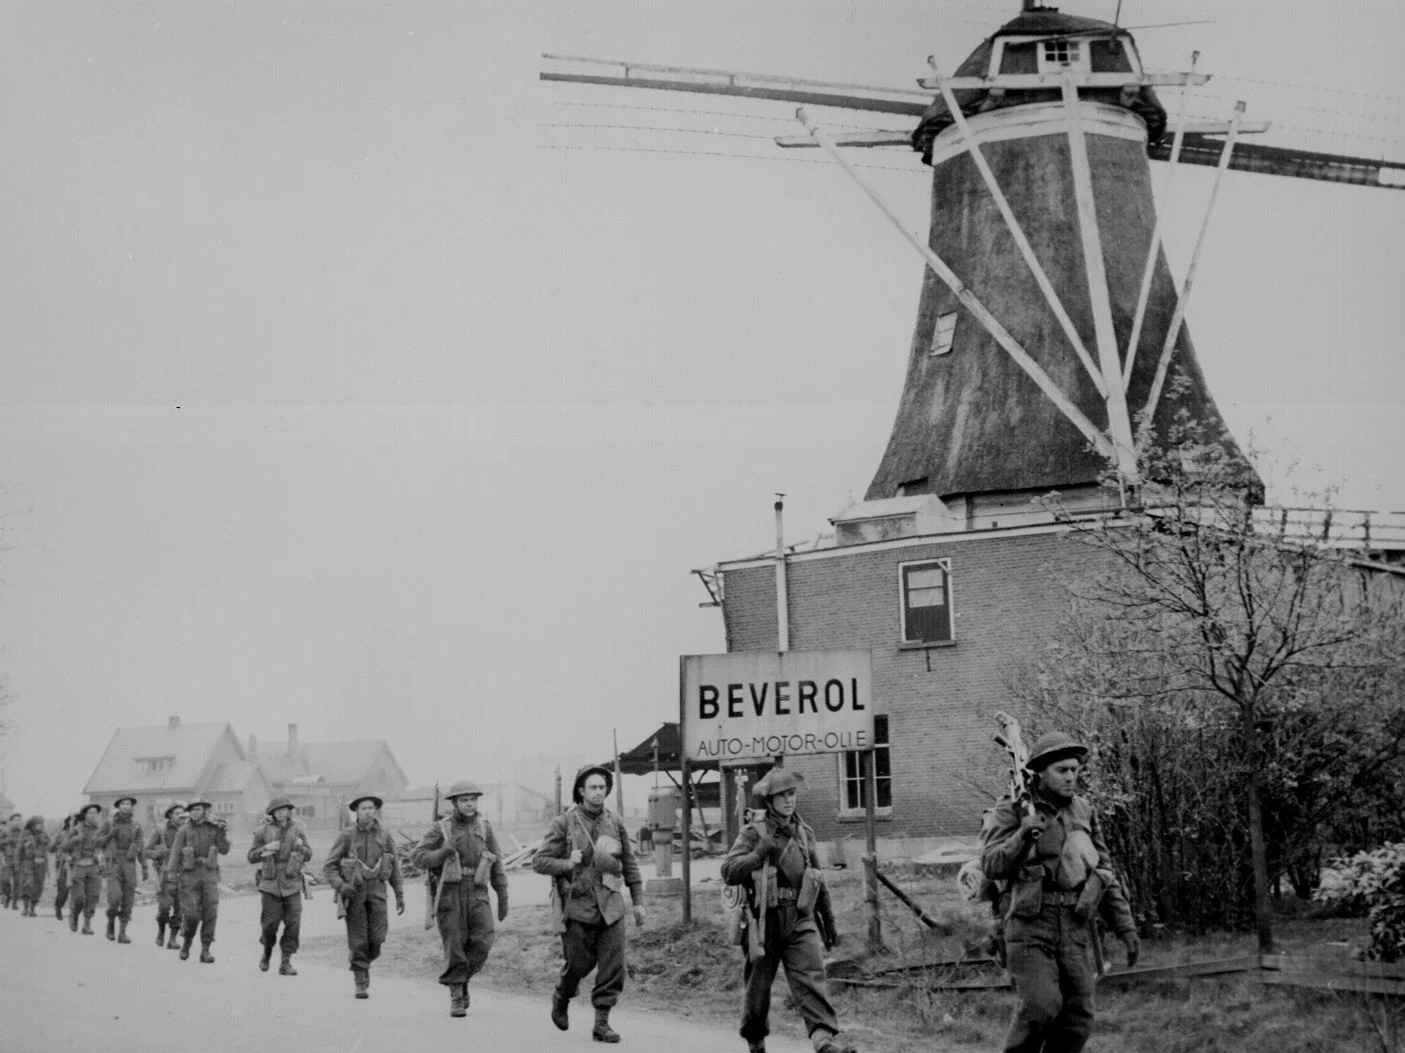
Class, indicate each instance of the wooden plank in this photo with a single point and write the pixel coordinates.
(1214, 967)
(1026, 81)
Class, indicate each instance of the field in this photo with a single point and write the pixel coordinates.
(692, 972)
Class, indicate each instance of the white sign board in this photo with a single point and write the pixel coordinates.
(754, 705)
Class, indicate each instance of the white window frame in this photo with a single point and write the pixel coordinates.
(997, 53)
(1080, 58)
(943, 333)
(846, 811)
(945, 563)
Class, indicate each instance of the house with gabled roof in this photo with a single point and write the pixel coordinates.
(163, 764)
(322, 778)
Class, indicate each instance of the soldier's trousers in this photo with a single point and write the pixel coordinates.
(60, 888)
(792, 940)
(1051, 968)
(286, 910)
(168, 901)
(200, 903)
(367, 922)
(121, 889)
(465, 921)
(84, 889)
(8, 891)
(599, 947)
(34, 874)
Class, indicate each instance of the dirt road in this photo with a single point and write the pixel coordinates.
(61, 990)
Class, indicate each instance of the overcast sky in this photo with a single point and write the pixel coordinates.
(354, 378)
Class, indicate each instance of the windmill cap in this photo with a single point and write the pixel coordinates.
(463, 788)
(777, 780)
(577, 787)
(1055, 746)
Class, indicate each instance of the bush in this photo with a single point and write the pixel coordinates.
(1376, 881)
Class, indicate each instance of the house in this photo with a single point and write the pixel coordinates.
(162, 764)
(322, 778)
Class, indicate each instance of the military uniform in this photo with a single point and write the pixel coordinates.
(1057, 882)
(280, 883)
(362, 860)
(195, 853)
(463, 911)
(591, 907)
(33, 859)
(774, 860)
(9, 863)
(85, 872)
(62, 864)
(168, 902)
(124, 849)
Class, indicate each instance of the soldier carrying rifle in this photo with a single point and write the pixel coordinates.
(195, 855)
(279, 850)
(158, 850)
(361, 862)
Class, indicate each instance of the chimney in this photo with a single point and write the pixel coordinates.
(292, 742)
(253, 746)
(173, 723)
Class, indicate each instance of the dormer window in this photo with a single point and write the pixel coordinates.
(155, 765)
(1055, 56)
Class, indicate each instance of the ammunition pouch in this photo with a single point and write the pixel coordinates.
(187, 858)
(810, 886)
(1027, 895)
(351, 873)
(484, 869)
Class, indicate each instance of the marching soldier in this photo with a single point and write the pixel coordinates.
(85, 868)
(9, 862)
(61, 865)
(463, 852)
(279, 850)
(589, 857)
(33, 862)
(195, 855)
(361, 861)
(1060, 876)
(168, 901)
(120, 840)
(790, 922)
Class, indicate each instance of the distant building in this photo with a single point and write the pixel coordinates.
(163, 764)
(322, 778)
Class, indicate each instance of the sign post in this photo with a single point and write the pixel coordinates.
(766, 704)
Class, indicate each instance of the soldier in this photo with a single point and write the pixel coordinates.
(168, 901)
(85, 868)
(9, 862)
(33, 862)
(279, 850)
(195, 855)
(1054, 857)
(790, 923)
(124, 849)
(361, 861)
(462, 851)
(61, 865)
(588, 855)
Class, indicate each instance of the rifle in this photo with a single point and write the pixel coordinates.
(431, 901)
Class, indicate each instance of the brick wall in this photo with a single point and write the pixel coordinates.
(940, 700)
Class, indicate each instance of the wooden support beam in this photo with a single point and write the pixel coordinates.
(908, 902)
(968, 300)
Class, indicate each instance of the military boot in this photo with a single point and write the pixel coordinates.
(111, 927)
(58, 913)
(173, 940)
(73, 920)
(837, 1044)
(205, 955)
(285, 967)
(87, 925)
(160, 934)
(603, 1032)
(122, 936)
(185, 945)
(559, 1015)
(458, 999)
(267, 956)
(363, 983)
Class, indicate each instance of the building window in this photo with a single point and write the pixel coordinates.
(155, 765)
(943, 333)
(853, 799)
(307, 812)
(926, 601)
(1057, 55)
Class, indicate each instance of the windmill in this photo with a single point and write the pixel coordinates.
(1050, 337)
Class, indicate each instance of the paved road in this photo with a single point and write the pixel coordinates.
(46, 971)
